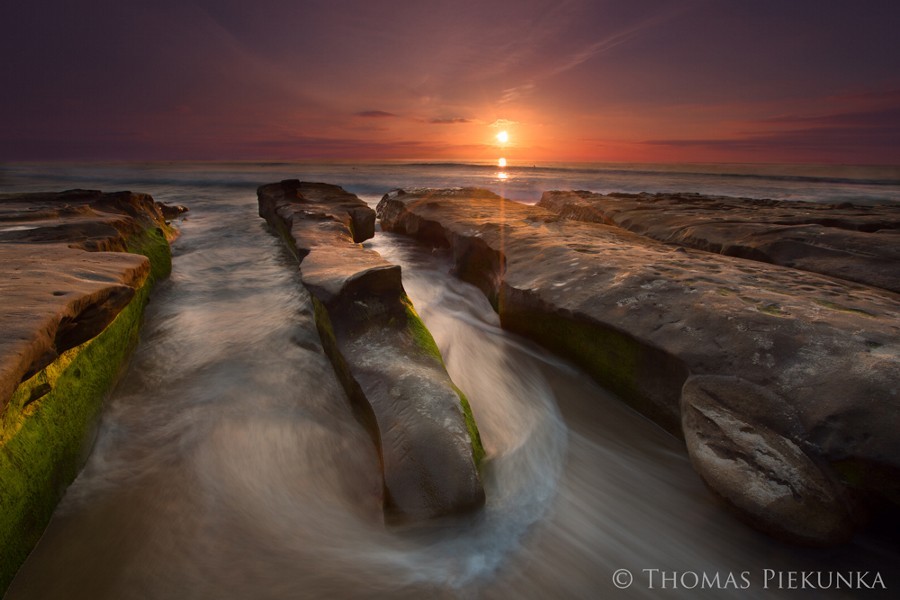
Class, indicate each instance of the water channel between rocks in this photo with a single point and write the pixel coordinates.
(229, 465)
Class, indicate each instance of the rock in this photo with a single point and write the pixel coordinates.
(645, 321)
(386, 359)
(68, 319)
(774, 485)
(86, 219)
(172, 211)
(855, 243)
(55, 295)
(55, 298)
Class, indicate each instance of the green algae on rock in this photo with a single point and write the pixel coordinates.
(425, 341)
(70, 317)
(382, 353)
(51, 437)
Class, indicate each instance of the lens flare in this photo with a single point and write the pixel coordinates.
(501, 163)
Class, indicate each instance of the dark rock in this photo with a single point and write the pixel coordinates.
(855, 243)
(381, 351)
(818, 360)
(172, 211)
(38, 392)
(730, 428)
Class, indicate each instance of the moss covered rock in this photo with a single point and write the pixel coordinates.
(382, 352)
(69, 318)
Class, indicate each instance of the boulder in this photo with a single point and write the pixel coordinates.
(383, 354)
(731, 428)
(854, 243)
(785, 384)
(170, 211)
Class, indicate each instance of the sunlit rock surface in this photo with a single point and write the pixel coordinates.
(786, 383)
(855, 243)
(56, 295)
(381, 351)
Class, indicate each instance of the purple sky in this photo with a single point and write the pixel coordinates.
(728, 81)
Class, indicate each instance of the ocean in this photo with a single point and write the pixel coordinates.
(228, 463)
(524, 183)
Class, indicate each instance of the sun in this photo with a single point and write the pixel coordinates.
(503, 137)
(501, 163)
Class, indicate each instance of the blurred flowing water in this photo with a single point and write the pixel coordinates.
(228, 463)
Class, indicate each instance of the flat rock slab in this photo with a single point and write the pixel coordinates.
(385, 358)
(55, 295)
(86, 219)
(787, 375)
(854, 243)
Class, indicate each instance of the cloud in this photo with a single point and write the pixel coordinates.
(503, 123)
(871, 119)
(565, 62)
(838, 138)
(375, 114)
(616, 39)
(309, 147)
(854, 135)
(449, 120)
(846, 144)
(517, 92)
(889, 96)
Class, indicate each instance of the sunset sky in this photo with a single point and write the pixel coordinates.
(579, 80)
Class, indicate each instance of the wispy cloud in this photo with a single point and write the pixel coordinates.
(879, 118)
(449, 120)
(589, 51)
(503, 123)
(871, 134)
(604, 45)
(300, 147)
(375, 114)
(517, 92)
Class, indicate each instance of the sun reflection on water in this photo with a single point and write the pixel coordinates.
(501, 174)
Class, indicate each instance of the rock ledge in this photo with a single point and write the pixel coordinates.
(76, 270)
(382, 353)
(784, 384)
